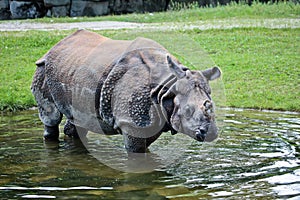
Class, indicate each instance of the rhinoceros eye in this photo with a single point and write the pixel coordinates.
(188, 111)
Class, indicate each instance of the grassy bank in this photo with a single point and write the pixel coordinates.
(18, 53)
(260, 66)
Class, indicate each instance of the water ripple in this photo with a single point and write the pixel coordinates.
(256, 156)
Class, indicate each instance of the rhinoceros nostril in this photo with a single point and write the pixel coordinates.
(207, 104)
(202, 131)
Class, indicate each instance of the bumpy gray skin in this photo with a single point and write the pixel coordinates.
(134, 88)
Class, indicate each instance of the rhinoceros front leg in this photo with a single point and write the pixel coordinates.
(138, 145)
(135, 145)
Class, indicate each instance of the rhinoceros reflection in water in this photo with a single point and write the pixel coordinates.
(134, 88)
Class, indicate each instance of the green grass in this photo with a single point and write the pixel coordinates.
(240, 11)
(18, 53)
(260, 66)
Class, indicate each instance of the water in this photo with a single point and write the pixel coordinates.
(256, 157)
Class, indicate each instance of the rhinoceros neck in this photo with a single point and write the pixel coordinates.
(163, 95)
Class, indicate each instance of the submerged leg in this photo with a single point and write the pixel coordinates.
(138, 145)
(135, 145)
(51, 119)
(51, 133)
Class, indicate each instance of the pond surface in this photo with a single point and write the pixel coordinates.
(256, 157)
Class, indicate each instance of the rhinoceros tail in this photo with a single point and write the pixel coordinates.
(40, 62)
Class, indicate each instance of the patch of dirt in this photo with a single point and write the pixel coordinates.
(113, 25)
(104, 25)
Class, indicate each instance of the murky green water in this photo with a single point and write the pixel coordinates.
(256, 157)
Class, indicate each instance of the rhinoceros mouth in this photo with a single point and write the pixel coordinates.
(200, 134)
(206, 133)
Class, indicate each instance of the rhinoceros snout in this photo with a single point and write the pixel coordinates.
(207, 133)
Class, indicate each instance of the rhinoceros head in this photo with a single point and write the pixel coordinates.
(193, 112)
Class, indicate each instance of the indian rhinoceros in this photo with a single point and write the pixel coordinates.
(134, 88)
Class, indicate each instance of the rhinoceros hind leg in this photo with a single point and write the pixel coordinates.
(51, 118)
(74, 131)
(51, 133)
(48, 112)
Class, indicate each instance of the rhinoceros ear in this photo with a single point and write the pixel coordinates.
(212, 73)
(177, 70)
